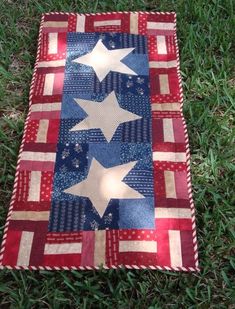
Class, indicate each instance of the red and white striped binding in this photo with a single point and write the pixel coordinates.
(187, 152)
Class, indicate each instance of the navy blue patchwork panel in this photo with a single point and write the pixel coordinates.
(103, 170)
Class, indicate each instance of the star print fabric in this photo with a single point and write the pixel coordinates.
(103, 177)
(126, 143)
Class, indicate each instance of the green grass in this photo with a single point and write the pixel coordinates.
(205, 31)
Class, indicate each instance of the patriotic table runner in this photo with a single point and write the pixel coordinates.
(103, 173)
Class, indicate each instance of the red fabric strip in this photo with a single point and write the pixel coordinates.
(173, 224)
(62, 260)
(39, 147)
(12, 247)
(36, 166)
(88, 248)
(163, 250)
(187, 248)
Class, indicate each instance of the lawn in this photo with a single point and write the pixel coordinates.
(205, 32)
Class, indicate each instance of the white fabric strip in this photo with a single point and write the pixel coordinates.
(52, 43)
(42, 131)
(172, 213)
(161, 45)
(169, 177)
(168, 131)
(46, 107)
(55, 24)
(51, 64)
(100, 23)
(34, 187)
(165, 107)
(134, 23)
(25, 248)
(169, 156)
(30, 215)
(137, 246)
(175, 248)
(164, 84)
(163, 64)
(38, 156)
(160, 26)
(49, 84)
(64, 248)
(100, 247)
(80, 25)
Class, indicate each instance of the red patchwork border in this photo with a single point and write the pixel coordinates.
(174, 210)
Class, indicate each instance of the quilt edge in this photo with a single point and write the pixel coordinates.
(110, 13)
(13, 197)
(188, 155)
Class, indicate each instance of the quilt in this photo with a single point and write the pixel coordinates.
(103, 176)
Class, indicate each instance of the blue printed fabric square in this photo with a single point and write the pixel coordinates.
(103, 171)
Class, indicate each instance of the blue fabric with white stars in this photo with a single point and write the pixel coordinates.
(130, 142)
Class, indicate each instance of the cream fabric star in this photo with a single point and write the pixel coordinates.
(104, 60)
(103, 184)
(106, 115)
